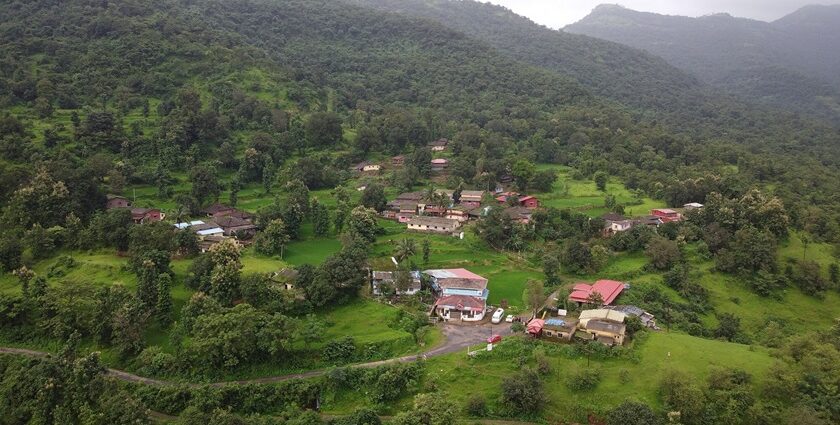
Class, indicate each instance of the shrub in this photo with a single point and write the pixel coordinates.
(584, 380)
(476, 406)
(340, 350)
(633, 413)
(523, 392)
(154, 361)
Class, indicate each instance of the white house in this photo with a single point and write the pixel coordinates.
(433, 224)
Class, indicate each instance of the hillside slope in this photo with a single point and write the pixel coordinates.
(151, 48)
(608, 69)
(784, 64)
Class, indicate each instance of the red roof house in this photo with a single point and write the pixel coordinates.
(667, 215)
(460, 307)
(529, 202)
(440, 164)
(503, 197)
(608, 289)
(116, 201)
(146, 215)
(535, 327)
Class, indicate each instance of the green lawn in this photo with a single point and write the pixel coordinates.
(583, 195)
(366, 321)
(459, 377)
(796, 311)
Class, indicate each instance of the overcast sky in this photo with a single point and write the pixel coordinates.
(559, 13)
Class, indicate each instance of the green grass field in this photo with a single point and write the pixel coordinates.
(459, 377)
(584, 196)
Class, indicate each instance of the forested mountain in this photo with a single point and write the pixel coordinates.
(608, 69)
(786, 63)
(269, 106)
(648, 86)
(202, 74)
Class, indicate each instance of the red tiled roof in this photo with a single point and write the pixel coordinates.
(461, 302)
(535, 326)
(608, 289)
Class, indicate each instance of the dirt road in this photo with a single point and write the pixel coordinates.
(457, 337)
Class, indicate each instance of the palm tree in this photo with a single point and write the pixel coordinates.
(405, 248)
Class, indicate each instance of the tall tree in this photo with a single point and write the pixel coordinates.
(163, 310)
(273, 239)
(405, 249)
(362, 225)
(320, 218)
(323, 130)
(374, 197)
(600, 178)
(205, 184)
(522, 172)
(534, 295)
(226, 257)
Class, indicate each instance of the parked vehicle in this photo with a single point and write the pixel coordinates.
(494, 339)
(509, 318)
(497, 316)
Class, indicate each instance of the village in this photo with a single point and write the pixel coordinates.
(590, 312)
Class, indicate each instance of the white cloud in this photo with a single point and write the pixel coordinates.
(559, 13)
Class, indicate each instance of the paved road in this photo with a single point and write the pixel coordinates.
(458, 337)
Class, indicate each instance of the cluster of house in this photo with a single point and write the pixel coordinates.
(461, 295)
(138, 214)
(438, 165)
(222, 222)
(616, 223)
(605, 324)
(420, 215)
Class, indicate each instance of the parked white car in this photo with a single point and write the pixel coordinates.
(497, 316)
(509, 318)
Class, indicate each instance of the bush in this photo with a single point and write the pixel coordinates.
(584, 380)
(523, 393)
(153, 361)
(476, 406)
(633, 413)
(339, 351)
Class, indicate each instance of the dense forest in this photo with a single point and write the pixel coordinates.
(199, 98)
(782, 64)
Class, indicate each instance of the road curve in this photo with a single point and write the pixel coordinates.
(457, 338)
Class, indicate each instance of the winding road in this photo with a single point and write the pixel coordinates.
(458, 337)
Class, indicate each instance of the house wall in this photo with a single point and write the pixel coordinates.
(459, 291)
(531, 203)
(117, 203)
(619, 339)
(153, 216)
(424, 228)
(445, 313)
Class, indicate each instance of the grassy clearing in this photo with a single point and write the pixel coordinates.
(366, 321)
(583, 195)
(795, 310)
(794, 249)
(459, 376)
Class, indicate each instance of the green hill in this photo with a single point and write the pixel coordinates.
(782, 64)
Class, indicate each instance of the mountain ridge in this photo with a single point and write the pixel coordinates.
(721, 49)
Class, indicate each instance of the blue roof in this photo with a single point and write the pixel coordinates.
(555, 322)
